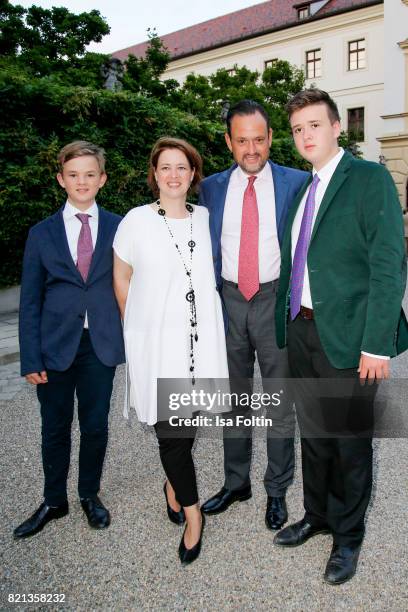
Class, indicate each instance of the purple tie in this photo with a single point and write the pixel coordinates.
(302, 245)
(85, 246)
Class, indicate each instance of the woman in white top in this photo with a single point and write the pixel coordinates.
(173, 327)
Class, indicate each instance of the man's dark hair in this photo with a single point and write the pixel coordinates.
(310, 96)
(246, 107)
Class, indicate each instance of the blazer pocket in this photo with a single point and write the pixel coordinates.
(355, 309)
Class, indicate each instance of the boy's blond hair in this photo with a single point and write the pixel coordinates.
(78, 148)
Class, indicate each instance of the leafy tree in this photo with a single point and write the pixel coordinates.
(11, 27)
(206, 96)
(52, 42)
(40, 116)
(142, 75)
(51, 92)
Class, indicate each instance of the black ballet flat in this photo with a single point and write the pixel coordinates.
(188, 555)
(178, 518)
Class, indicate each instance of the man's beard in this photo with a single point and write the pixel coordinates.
(253, 169)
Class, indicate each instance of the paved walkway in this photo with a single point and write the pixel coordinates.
(9, 350)
(133, 565)
(10, 380)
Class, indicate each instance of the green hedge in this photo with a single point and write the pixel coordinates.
(39, 117)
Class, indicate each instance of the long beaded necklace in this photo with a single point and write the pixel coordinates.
(190, 295)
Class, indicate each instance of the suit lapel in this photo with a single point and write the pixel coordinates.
(280, 185)
(292, 213)
(59, 235)
(338, 178)
(223, 180)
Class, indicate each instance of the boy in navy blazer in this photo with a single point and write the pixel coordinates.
(71, 334)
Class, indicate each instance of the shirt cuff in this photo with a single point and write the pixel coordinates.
(376, 356)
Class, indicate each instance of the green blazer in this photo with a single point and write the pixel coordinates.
(357, 266)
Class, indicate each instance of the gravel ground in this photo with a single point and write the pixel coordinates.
(134, 564)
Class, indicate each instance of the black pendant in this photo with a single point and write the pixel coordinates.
(190, 295)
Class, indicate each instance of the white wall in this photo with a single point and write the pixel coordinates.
(396, 30)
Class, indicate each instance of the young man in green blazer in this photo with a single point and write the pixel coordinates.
(338, 309)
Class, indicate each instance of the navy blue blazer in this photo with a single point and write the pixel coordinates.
(213, 191)
(54, 298)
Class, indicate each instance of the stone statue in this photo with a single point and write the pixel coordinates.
(112, 71)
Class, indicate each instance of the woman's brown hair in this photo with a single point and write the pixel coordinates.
(193, 157)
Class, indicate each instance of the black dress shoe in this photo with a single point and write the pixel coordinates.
(276, 513)
(298, 533)
(188, 555)
(39, 519)
(342, 564)
(224, 498)
(178, 518)
(98, 516)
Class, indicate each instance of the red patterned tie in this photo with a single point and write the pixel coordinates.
(248, 265)
(85, 246)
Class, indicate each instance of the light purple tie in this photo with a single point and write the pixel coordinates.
(302, 245)
(85, 246)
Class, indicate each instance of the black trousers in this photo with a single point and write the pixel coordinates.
(92, 382)
(175, 445)
(335, 415)
(252, 330)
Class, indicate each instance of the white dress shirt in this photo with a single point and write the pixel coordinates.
(269, 250)
(325, 174)
(73, 227)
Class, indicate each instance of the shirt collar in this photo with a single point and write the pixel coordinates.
(328, 170)
(264, 175)
(70, 211)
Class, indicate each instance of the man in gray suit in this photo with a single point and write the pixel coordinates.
(248, 206)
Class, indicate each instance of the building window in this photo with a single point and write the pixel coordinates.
(355, 124)
(270, 63)
(303, 12)
(313, 63)
(356, 54)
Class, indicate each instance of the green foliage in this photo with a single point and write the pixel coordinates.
(205, 96)
(142, 75)
(51, 92)
(42, 116)
(347, 141)
(52, 42)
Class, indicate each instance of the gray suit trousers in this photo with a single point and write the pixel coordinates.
(252, 331)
